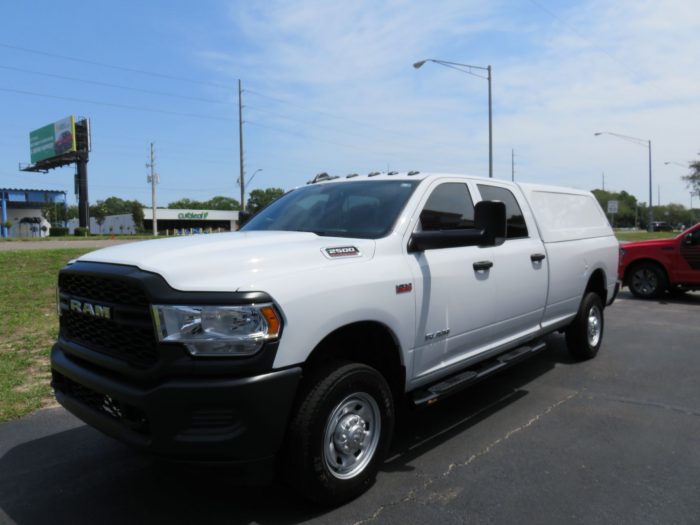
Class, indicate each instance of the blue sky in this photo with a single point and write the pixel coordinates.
(329, 87)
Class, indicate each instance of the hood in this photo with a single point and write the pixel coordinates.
(235, 261)
(652, 243)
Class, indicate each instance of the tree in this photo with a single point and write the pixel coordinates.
(629, 210)
(260, 198)
(186, 204)
(693, 179)
(215, 203)
(222, 203)
(137, 215)
(99, 211)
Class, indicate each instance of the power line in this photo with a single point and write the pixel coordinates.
(113, 66)
(113, 105)
(327, 114)
(98, 83)
(584, 38)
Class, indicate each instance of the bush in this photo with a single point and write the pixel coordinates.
(58, 231)
(81, 232)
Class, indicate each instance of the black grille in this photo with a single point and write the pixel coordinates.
(102, 289)
(127, 414)
(133, 344)
(127, 335)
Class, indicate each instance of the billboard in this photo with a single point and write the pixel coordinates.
(53, 140)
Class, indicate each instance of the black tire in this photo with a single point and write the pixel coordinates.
(647, 280)
(338, 401)
(585, 334)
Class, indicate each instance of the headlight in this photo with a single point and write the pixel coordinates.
(217, 330)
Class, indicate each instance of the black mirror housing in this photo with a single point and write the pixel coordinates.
(490, 230)
(490, 216)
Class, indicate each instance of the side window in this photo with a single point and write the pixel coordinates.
(449, 207)
(515, 222)
(696, 236)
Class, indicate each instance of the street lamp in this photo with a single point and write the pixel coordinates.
(466, 68)
(239, 181)
(253, 175)
(647, 144)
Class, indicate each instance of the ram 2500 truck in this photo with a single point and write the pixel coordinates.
(650, 268)
(290, 343)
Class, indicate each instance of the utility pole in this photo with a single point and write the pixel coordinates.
(153, 179)
(240, 144)
(658, 195)
(512, 165)
(603, 181)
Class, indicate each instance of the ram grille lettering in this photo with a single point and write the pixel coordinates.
(95, 310)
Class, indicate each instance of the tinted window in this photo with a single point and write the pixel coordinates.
(449, 207)
(515, 222)
(363, 209)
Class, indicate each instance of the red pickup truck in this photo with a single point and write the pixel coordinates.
(649, 268)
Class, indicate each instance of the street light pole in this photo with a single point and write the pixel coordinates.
(466, 68)
(253, 175)
(647, 144)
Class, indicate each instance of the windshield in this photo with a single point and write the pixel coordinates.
(362, 209)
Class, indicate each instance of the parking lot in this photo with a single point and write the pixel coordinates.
(612, 440)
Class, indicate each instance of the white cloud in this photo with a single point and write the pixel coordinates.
(629, 67)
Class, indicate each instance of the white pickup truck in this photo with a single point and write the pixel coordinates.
(290, 343)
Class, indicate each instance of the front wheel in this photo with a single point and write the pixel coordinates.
(585, 334)
(340, 432)
(647, 280)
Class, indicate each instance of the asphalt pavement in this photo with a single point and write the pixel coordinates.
(612, 440)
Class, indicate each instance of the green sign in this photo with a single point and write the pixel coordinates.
(190, 215)
(53, 140)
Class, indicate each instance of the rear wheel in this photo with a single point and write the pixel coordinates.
(585, 334)
(647, 280)
(340, 432)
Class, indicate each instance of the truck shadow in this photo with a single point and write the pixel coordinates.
(689, 298)
(79, 476)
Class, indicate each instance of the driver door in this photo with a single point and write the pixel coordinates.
(455, 300)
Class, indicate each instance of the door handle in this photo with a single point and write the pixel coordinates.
(537, 257)
(482, 265)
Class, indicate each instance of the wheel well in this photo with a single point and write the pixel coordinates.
(636, 263)
(596, 284)
(368, 342)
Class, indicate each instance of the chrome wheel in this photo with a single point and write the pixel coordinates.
(352, 435)
(594, 326)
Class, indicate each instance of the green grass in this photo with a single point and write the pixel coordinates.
(29, 326)
(643, 235)
(78, 238)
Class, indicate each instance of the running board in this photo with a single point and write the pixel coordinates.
(453, 384)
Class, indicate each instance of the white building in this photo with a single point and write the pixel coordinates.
(170, 222)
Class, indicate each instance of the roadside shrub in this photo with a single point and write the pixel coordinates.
(58, 231)
(81, 232)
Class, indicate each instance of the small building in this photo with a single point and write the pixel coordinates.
(170, 222)
(21, 209)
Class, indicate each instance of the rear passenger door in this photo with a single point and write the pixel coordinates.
(519, 269)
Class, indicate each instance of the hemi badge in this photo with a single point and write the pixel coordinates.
(404, 288)
(343, 251)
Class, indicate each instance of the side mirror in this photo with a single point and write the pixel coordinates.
(490, 230)
(491, 217)
(688, 239)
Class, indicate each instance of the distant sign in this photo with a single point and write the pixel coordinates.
(612, 206)
(53, 140)
(193, 215)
